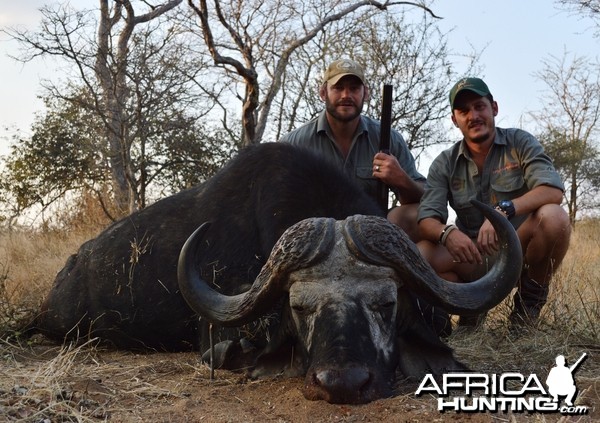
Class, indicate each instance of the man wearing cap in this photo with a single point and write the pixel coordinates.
(351, 141)
(507, 169)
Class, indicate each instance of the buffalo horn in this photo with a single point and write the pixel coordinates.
(303, 244)
(380, 242)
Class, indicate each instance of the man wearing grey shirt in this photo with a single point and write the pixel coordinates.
(351, 141)
(507, 169)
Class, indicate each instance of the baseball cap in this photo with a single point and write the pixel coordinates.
(340, 68)
(472, 84)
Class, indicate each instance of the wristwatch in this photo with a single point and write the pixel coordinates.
(507, 207)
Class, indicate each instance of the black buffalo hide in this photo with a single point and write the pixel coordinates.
(122, 285)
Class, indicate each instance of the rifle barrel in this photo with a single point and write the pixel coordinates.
(384, 141)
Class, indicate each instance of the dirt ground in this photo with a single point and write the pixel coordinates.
(45, 383)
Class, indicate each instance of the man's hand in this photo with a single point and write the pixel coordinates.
(487, 239)
(462, 248)
(386, 168)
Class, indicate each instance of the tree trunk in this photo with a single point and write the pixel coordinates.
(114, 94)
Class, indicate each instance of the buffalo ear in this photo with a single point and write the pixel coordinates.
(278, 361)
(419, 347)
(420, 356)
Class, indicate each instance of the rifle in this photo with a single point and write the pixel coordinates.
(384, 141)
(578, 362)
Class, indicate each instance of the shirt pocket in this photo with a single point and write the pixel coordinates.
(509, 184)
(469, 216)
(364, 172)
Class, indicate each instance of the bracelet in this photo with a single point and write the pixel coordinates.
(445, 233)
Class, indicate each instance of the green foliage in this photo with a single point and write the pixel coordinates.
(182, 158)
(61, 156)
(573, 157)
(67, 157)
(578, 163)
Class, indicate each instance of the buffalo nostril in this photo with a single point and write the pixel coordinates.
(344, 380)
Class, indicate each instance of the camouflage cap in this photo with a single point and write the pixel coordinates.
(340, 68)
(472, 84)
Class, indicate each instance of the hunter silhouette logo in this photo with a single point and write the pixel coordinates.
(560, 380)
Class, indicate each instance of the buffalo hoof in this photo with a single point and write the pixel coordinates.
(231, 355)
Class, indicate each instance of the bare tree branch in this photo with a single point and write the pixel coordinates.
(253, 123)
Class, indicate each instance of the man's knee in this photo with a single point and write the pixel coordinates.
(550, 222)
(545, 237)
(405, 216)
(552, 216)
(556, 224)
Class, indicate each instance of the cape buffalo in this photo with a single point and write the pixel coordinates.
(341, 302)
(350, 317)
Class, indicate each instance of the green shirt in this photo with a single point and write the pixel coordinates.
(358, 165)
(515, 165)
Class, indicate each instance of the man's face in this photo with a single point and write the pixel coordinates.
(344, 100)
(474, 116)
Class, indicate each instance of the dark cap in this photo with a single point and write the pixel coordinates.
(472, 84)
(340, 68)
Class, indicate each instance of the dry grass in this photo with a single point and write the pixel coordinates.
(41, 382)
(29, 262)
(36, 389)
(573, 307)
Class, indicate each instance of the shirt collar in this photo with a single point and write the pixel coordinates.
(322, 125)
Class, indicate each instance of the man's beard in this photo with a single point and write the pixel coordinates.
(331, 109)
(483, 137)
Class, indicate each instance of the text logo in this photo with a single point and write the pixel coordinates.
(511, 391)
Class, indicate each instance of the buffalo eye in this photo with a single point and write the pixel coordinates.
(298, 308)
(303, 301)
(385, 309)
(302, 309)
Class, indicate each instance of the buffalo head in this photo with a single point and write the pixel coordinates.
(350, 316)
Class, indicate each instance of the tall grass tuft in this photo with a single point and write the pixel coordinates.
(574, 301)
(29, 262)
